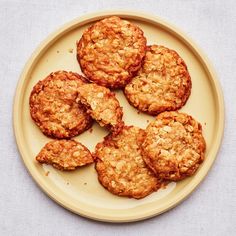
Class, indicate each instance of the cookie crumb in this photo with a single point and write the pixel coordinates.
(91, 130)
(205, 123)
(85, 183)
(148, 121)
(70, 50)
(67, 183)
(47, 173)
(138, 112)
(58, 51)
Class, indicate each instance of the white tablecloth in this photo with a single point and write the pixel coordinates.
(26, 210)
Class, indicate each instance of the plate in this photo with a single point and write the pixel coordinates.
(79, 191)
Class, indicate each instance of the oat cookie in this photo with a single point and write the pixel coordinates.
(162, 84)
(120, 167)
(102, 105)
(174, 146)
(110, 51)
(64, 154)
(53, 105)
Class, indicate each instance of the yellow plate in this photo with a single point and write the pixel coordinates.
(79, 191)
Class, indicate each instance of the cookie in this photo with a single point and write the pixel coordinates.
(162, 84)
(53, 105)
(111, 51)
(102, 105)
(174, 146)
(120, 167)
(64, 154)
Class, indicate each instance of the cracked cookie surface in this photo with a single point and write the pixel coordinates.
(102, 105)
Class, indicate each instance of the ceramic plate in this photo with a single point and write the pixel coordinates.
(80, 191)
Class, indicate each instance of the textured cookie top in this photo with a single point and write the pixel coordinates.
(120, 166)
(53, 105)
(111, 51)
(64, 154)
(174, 146)
(162, 84)
(102, 105)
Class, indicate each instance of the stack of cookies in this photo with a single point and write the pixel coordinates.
(130, 161)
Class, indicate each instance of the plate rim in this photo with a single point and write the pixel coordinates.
(138, 16)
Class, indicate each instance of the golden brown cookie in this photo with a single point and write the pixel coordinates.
(65, 154)
(110, 51)
(102, 105)
(162, 84)
(53, 105)
(174, 146)
(120, 167)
